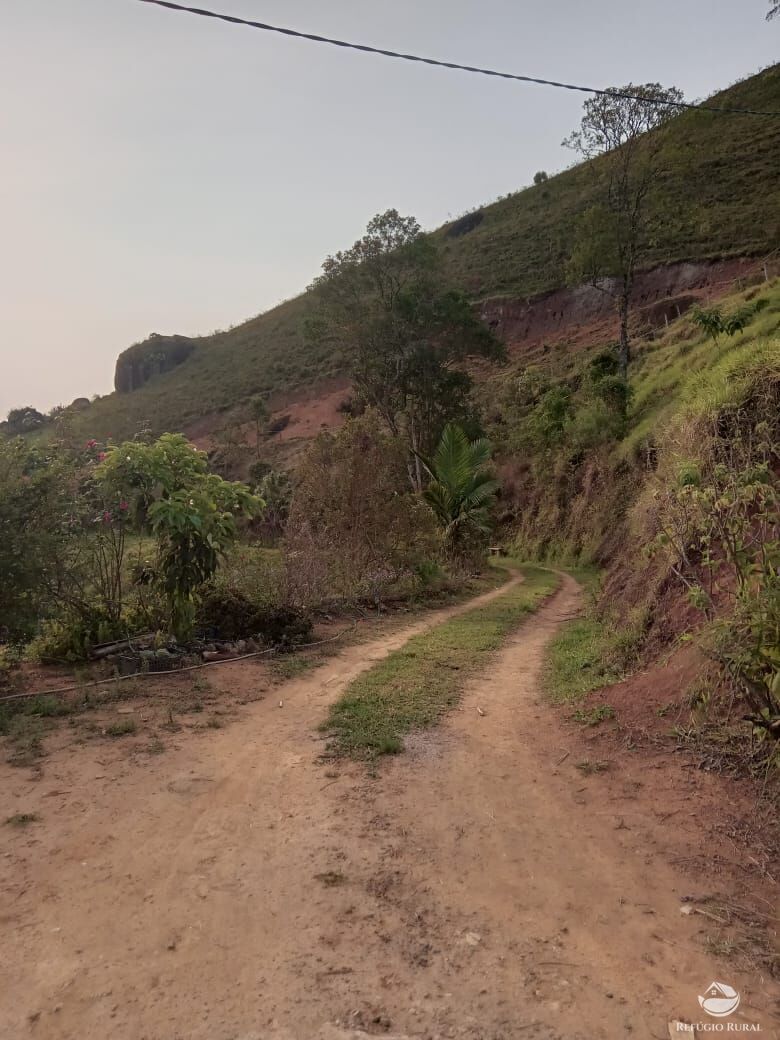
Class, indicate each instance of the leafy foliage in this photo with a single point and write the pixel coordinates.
(229, 613)
(192, 513)
(22, 420)
(32, 502)
(716, 324)
(71, 516)
(461, 489)
(385, 302)
(276, 491)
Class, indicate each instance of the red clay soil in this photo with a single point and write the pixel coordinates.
(583, 316)
(304, 414)
(717, 826)
(310, 416)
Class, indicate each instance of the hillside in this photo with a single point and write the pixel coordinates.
(718, 196)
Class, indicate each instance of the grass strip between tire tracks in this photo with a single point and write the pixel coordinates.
(413, 686)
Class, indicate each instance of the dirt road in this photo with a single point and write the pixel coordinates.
(237, 888)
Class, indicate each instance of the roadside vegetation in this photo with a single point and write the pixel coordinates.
(138, 557)
(412, 687)
(681, 506)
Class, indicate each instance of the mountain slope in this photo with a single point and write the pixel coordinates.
(718, 195)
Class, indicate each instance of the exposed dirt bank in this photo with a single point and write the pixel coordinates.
(584, 315)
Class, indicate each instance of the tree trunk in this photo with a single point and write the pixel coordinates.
(624, 351)
(415, 469)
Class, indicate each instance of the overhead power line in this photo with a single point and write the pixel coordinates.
(314, 38)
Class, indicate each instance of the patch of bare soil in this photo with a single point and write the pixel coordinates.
(239, 887)
(708, 786)
(298, 415)
(582, 315)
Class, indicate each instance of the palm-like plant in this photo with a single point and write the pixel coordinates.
(462, 489)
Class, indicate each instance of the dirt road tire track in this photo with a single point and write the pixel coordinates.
(236, 888)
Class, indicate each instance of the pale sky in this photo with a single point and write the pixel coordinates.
(167, 173)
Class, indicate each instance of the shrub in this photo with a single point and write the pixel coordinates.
(714, 323)
(68, 638)
(461, 493)
(719, 526)
(230, 614)
(355, 530)
(192, 513)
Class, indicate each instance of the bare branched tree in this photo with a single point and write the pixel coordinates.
(620, 129)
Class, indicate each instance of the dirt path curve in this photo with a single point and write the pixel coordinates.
(236, 889)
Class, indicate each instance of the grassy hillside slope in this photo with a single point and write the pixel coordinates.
(569, 487)
(718, 195)
(677, 498)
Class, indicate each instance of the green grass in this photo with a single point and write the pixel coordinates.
(122, 728)
(717, 176)
(588, 575)
(717, 195)
(40, 707)
(684, 371)
(594, 716)
(578, 661)
(573, 499)
(412, 687)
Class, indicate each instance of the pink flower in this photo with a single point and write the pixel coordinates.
(102, 455)
(106, 517)
(91, 444)
(123, 505)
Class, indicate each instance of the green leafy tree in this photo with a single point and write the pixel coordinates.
(619, 130)
(462, 489)
(192, 512)
(195, 529)
(33, 505)
(385, 303)
(66, 514)
(64, 553)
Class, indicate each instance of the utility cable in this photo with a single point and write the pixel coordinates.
(314, 38)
